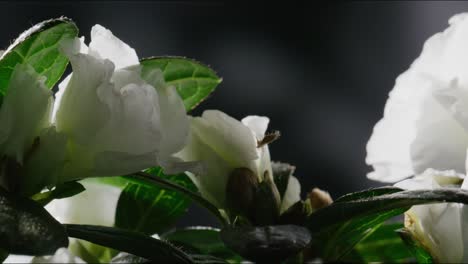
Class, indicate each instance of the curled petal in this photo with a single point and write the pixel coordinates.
(25, 111)
(107, 46)
(292, 194)
(228, 137)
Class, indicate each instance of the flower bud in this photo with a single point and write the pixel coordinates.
(240, 191)
(319, 199)
(267, 203)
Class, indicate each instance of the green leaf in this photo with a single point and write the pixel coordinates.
(26, 228)
(151, 209)
(193, 80)
(340, 226)
(384, 244)
(146, 179)
(418, 251)
(64, 190)
(39, 47)
(267, 244)
(202, 240)
(131, 242)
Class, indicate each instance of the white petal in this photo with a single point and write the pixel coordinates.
(441, 141)
(133, 125)
(45, 164)
(212, 180)
(62, 255)
(258, 124)
(25, 111)
(228, 137)
(174, 120)
(81, 112)
(95, 206)
(442, 60)
(108, 46)
(292, 194)
(438, 227)
(18, 259)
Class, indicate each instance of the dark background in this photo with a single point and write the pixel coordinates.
(321, 72)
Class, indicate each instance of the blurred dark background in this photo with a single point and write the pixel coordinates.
(321, 72)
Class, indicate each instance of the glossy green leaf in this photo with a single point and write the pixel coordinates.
(26, 228)
(146, 179)
(202, 240)
(131, 242)
(193, 80)
(61, 191)
(39, 47)
(384, 244)
(151, 209)
(340, 226)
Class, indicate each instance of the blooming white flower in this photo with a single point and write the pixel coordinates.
(223, 144)
(442, 228)
(106, 120)
(117, 122)
(426, 116)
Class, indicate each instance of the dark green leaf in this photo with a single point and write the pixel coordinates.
(151, 209)
(39, 47)
(281, 174)
(64, 190)
(421, 255)
(193, 80)
(144, 178)
(268, 244)
(384, 244)
(131, 242)
(368, 193)
(346, 222)
(203, 240)
(27, 228)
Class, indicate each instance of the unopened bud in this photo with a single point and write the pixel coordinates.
(267, 203)
(240, 191)
(319, 199)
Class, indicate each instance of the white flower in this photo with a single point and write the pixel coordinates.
(24, 112)
(117, 122)
(425, 123)
(442, 228)
(223, 144)
(62, 255)
(106, 120)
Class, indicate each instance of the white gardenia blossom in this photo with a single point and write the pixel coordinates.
(425, 123)
(117, 122)
(222, 144)
(441, 228)
(106, 120)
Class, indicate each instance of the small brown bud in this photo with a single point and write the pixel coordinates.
(240, 191)
(319, 199)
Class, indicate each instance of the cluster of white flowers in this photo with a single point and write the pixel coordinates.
(424, 132)
(107, 121)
